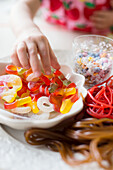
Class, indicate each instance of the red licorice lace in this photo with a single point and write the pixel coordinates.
(99, 100)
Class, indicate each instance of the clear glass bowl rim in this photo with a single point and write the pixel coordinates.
(94, 35)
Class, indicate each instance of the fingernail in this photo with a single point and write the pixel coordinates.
(37, 74)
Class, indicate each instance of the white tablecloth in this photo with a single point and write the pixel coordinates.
(17, 156)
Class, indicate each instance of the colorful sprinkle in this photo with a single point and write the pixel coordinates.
(95, 66)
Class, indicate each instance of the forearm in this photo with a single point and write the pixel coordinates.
(30, 40)
(22, 15)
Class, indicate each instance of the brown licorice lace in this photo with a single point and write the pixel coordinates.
(90, 136)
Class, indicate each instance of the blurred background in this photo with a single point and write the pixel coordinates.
(59, 38)
(6, 36)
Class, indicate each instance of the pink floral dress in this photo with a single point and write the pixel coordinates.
(74, 14)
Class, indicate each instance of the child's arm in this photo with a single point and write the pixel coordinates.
(30, 39)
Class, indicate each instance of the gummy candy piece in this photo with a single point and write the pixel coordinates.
(17, 102)
(21, 110)
(66, 91)
(44, 104)
(11, 69)
(60, 75)
(46, 91)
(66, 82)
(20, 70)
(10, 105)
(66, 106)
(27, 73)
(36, 95)
(45, 80)
(56, 100)
(34, 86)
(57, 81)
(42, 89)
(33, 105)
(23, 89)
(25, 94)
(23, 101)
(12, 84)
(71, 85)
(52, 87)
(29, 76)
(67, 103)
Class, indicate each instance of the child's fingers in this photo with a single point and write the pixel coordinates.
(97, 19)
(22, 55)
(53, 59)
(43, 49)
(98, 22)
(34, 61)
(14, 58)
(99, 26)
(100, 13)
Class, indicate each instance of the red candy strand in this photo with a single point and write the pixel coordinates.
(99, 100)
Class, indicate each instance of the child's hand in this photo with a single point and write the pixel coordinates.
(28, 45)
(102, 19)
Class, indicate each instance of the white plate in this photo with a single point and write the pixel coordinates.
(21, 122)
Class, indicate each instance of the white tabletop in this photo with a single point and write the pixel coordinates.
(15, 155)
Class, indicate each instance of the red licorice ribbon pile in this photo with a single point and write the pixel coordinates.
(99, 100)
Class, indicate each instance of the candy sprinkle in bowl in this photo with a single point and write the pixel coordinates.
(93, 58)
(45, 120)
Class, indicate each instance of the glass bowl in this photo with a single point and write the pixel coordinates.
(93, 58)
